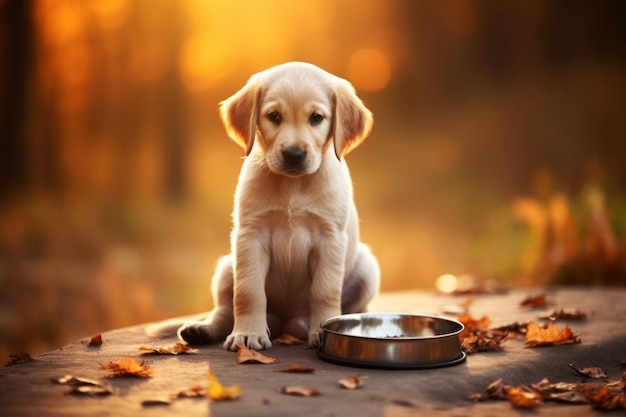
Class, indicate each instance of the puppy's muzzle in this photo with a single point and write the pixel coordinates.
(293, 159)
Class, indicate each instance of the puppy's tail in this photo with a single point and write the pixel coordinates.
(169, 328)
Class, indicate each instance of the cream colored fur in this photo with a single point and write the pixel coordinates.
(296, 257)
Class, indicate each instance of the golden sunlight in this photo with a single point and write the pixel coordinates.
(369, 69)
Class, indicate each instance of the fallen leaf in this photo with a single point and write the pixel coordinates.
(128, 367)
(565, 314)
(194, 392)
(549, 336)
(534, 301)
(594, 372)
(18, 358)
(177, 349)
(218, 392)
(153, 403)
(286, 339)
(353, 382)
(513, 329)
(522, 398)
(299, 369)
(84, 386)
(95, 341)
(300, 391)
(605, 400)
(245, 355)
(473, 325)
(483, 342)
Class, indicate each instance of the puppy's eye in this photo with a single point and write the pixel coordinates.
(315, 119)
(273, 117)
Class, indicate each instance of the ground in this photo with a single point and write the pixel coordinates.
(26, 389)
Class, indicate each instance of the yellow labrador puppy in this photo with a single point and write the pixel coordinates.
(296, 257)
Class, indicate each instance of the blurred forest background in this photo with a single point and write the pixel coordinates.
(498, 149)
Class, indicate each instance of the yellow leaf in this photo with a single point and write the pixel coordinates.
(218, 392)
(129, 367)
(550, 336)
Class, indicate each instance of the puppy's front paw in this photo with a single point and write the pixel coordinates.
(256, 341)
(196, 333)
(315, 338)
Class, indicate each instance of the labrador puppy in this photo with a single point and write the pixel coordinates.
(296, 257)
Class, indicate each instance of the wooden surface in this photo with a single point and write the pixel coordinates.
(26, 389)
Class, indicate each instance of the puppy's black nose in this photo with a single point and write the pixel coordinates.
(294, 155)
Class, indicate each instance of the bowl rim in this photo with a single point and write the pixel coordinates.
(324, 323)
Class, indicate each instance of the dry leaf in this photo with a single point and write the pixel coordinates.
(218, 392)
(606, 400)
(594, 372)
(286, 339)
(128, 367)
(84, 386)
(352, 382)
(300, 391)
(18, 358)
(299, 369)
(473, 325)
(153, 403)
(534, 301)
(177, 349)
(245, 355)
(522, 398)
(483, 342)
(512, 329)
(549, 336)
(95, 341)
(565, 314)
(194, 392)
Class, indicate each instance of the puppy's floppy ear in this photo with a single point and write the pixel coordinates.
(352, 121)
(239, 114)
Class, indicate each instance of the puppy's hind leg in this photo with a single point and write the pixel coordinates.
(219, 323)
(362, 283)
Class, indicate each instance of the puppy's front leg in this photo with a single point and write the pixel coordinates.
(250, 302)
(328, 276)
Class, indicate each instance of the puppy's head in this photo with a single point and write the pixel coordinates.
(292, 114)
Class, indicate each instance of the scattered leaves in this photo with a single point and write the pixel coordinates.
(483, 342)
(353, 382)
(128, 367)
(245, 355)
(565, 314)
(286, 339)
(534, 301)
(594, 372)
(549, 336)
(218, 392)
(523, 398)
(18, 358)
(300, 391)
(177, 349)
(84, 386)
(95, 341)
(299, 369)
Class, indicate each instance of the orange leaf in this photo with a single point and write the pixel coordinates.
(299, 369)
(128, 367)
(534, 301)
(218, 392)
(353, 382)
(550, 336)
(95, 341)
(300, 391)
(473, 325)
(524, 399)
(245, 355)
(286, 339)
(604, 399)
(174, 350)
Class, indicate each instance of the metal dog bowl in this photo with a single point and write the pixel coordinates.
(392, 341)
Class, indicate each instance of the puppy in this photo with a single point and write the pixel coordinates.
(296, 257)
